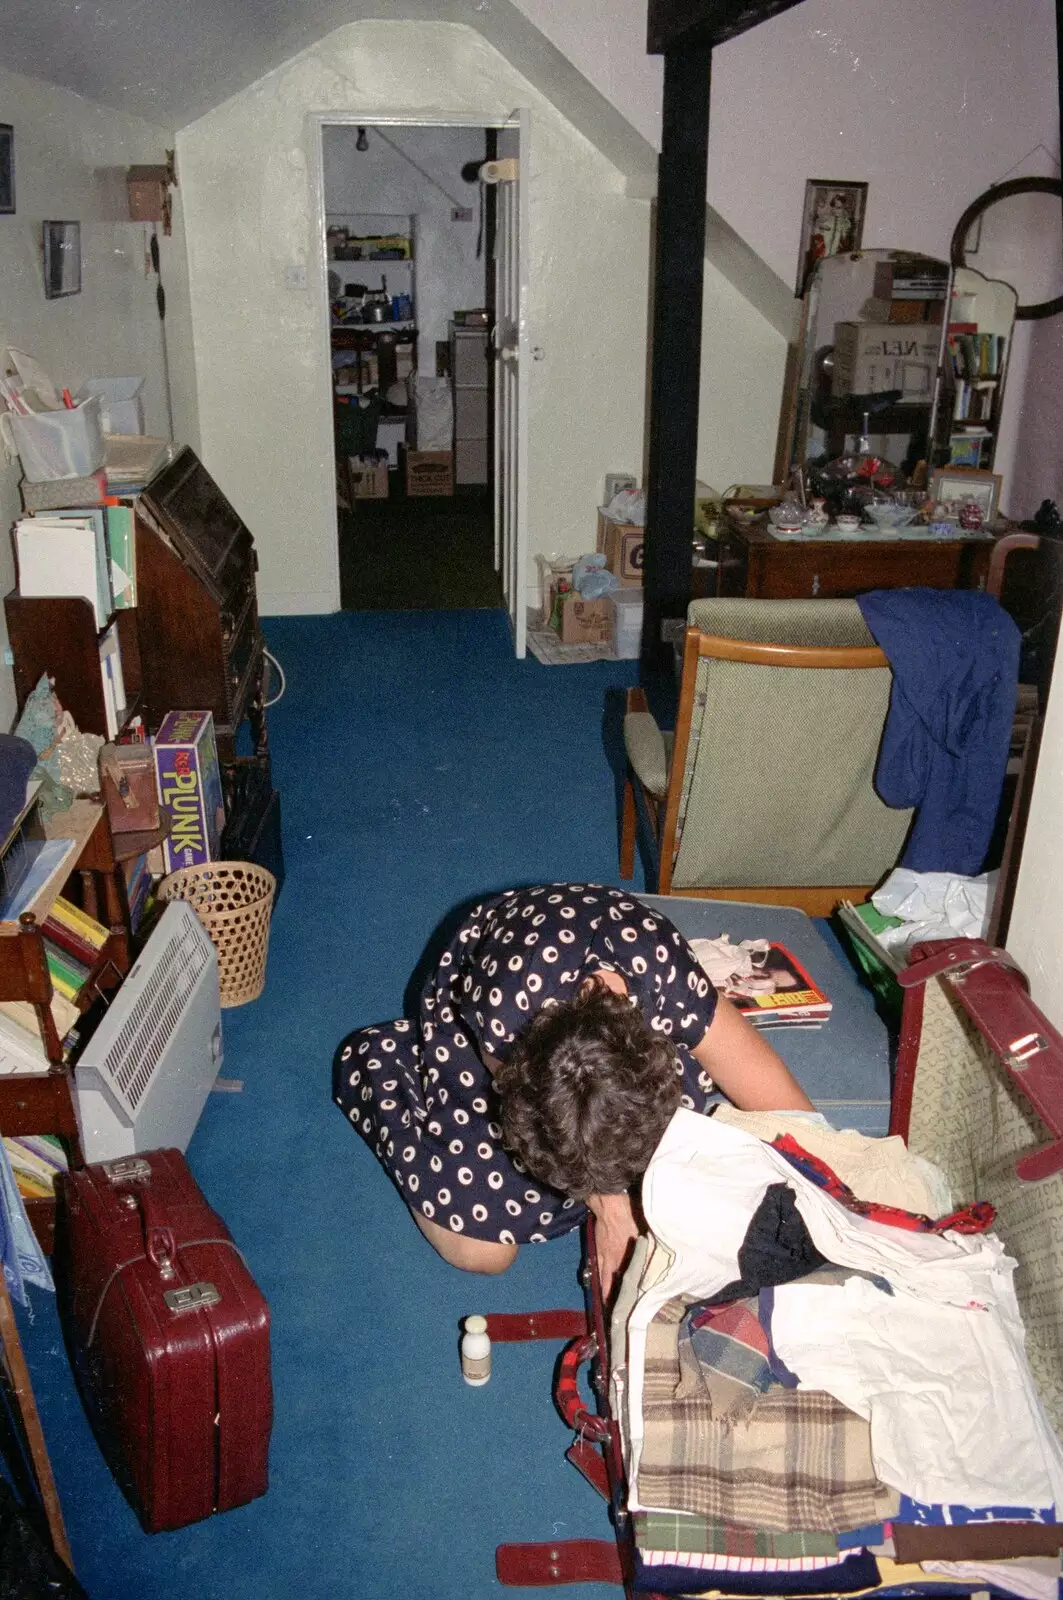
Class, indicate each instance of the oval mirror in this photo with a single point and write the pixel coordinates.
(1014, 232)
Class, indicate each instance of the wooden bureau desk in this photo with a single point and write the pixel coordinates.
(755, 563)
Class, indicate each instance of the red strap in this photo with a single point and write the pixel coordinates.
(992, 989)
(953, 957)
(588, 1459)
(566, 1561)
(507, 1327)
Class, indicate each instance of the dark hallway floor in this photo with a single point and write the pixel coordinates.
(418, 554)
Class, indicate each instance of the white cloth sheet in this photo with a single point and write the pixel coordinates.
(953, 1411)
(702, 1187)
(1035, 1577)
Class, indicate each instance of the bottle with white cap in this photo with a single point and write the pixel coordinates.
(476, 1352)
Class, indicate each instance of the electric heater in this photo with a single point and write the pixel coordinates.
(145, 1074)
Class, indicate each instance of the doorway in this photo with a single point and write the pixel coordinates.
(409, 232)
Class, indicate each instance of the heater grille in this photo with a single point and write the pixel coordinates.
(158, 995)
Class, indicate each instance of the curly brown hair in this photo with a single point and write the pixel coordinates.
(586, 1094)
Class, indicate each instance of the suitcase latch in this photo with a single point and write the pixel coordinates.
(1022, 1050)
(127, 1168)
(192, 1297)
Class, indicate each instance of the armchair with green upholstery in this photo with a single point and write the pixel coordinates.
(765, 791)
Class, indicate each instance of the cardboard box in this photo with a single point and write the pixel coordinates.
(189, 781)
(873, 357)
(623, 545)
(367, 480)
(429, 472)
(581, 621)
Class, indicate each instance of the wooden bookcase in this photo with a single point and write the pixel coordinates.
(42, 1102)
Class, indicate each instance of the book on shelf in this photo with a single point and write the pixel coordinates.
(21, 1014)
(47, 873)
(35, 1159)
(122, 549)
(75, 931)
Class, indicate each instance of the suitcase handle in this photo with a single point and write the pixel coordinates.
(160, 1246)
(568, 1398)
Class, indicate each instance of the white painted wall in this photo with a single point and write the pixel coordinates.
(261, 373)
(448, 274)
(70, 161)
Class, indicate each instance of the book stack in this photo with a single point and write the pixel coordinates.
(73, 943)
(35, 1160)
(64, 552)
(908, 289)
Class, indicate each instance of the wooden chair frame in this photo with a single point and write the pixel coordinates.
(816, 900)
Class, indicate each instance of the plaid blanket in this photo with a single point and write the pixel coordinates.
(724, 1353)
(669, 1530)
(801, 1460)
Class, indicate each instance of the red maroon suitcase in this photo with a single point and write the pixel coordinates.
(169, 1336)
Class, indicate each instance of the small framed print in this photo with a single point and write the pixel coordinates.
(952, 487)
(62, 259)
(7, 170)
(832, 223)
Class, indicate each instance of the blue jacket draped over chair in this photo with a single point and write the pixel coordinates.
(954, 655)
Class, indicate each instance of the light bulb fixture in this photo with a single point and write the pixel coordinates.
(362, 141)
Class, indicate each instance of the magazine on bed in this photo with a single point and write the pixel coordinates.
(768, 984)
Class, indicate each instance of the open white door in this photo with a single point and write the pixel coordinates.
(510, 350)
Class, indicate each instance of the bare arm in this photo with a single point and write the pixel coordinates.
(743, 1064)
(614, 1233)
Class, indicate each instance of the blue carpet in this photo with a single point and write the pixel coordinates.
(420, 765)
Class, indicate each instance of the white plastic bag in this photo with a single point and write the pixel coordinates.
(628, 505)
(933, 905)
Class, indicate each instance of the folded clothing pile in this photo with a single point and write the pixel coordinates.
(818, 1369)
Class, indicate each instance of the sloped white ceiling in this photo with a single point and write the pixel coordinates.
(170, 61)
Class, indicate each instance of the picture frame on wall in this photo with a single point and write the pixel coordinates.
(62, 259)
(954, 487)
(832, 223)
(7, 170)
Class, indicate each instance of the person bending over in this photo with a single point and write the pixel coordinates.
(563, 1026)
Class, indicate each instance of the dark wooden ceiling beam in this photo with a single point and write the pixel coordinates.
(701, 24)
(675, 359)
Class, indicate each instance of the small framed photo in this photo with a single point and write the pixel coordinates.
(952, 487)
(832, 223)
(7, 169)
(62, 259)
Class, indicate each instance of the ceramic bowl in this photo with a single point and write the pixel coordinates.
(847, 524)
(888, 515)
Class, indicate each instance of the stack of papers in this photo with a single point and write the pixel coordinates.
(64, 553)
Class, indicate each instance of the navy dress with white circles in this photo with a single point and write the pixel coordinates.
(423, 1099)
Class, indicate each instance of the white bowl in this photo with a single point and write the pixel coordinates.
(889, 516)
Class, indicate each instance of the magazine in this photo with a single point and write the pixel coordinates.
(767, 983)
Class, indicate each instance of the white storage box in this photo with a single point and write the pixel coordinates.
(121, 405)
(872, 358)
(57, 444)
(627, 623)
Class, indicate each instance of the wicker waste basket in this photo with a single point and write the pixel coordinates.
(233, 901)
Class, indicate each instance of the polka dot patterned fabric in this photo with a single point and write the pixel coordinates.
(420, 1093)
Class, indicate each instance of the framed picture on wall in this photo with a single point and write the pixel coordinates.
(7, 169)
(954, 487)
(832, 223)
(62, 259)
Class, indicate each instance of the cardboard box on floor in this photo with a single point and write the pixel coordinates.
(429, 472)
(367, 480)
(580, 621)
(622, 544)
